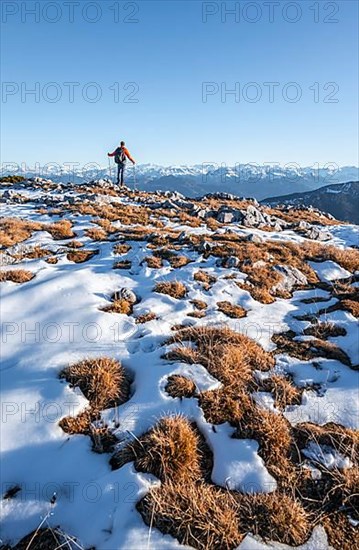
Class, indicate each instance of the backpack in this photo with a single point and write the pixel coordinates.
(120, 157)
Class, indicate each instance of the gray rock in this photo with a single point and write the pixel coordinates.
(231, 262)
(291, 277)
(317, 234)
(252, 217)
(225, 217)
(252, 237)
(125, 294)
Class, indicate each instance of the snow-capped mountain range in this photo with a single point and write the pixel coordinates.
(251, 180)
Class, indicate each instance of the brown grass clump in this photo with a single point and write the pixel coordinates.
(153, 262)
(123, 264)
(175, 289)
(343, 440)
(102, 381)
(178, 261)
(205, 278)
(96, 234)
(276, 517)
(74, 244)
(60, 230)
(34, 253)
(324, 330)
(197, 314)
(79, 424)
(199, 304)
(283, 391)
(52, 260)
(180, 386)
(44, 539)
(348, 258)
(16, 276)
(16, 230)
(170, 451)
(199, 515)
(308, 350)
(121, 306)
(121, 248)
(81, 256)
(351, 306)
(214, 343)
(341, 533)
(184, 354)
(106, 225)
(145, 318)
(231, 310)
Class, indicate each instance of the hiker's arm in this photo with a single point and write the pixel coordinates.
(111, 154)
(127, 153)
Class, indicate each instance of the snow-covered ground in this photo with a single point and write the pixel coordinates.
(56, 319)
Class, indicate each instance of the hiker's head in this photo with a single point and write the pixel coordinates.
(122, 143)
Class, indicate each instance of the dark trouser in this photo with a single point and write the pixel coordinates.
(120, 172)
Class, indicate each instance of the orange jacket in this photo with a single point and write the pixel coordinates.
(125, 150)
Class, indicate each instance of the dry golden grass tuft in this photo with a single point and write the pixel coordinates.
(81, 256)
(16, 230)
(205, 278)
(199, 304)
(53, 260)
(96, 234)
(210, 342)
(324, 330)
(309, 350)
(180, 386)
(283, 390)
(121, 306)
(153, 262)
(121, 248)
(175, 289)
(122, 264)
(102, 381)
(106, 225)
(177, 261)
(351, 306)
(276, 517)
(60, 230)
(199, 515)
(16, 276)
(348, 258)
(231, 310)
(197, 314)
(145, 318)
(74, 244)
(34, 253)
(342, 534)
(79, 424)
(185, 354)
(343, 440)
(170, 451)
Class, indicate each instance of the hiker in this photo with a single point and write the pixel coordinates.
(121, 155)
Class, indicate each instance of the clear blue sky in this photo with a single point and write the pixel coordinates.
(172, 49)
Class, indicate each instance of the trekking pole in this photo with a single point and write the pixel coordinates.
(109, 168)
(134, 177)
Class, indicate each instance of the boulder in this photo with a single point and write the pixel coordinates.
(125, 294)
(252, 217)
(291, 277)
(230, 262)
(318, 234)
(254, 238)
